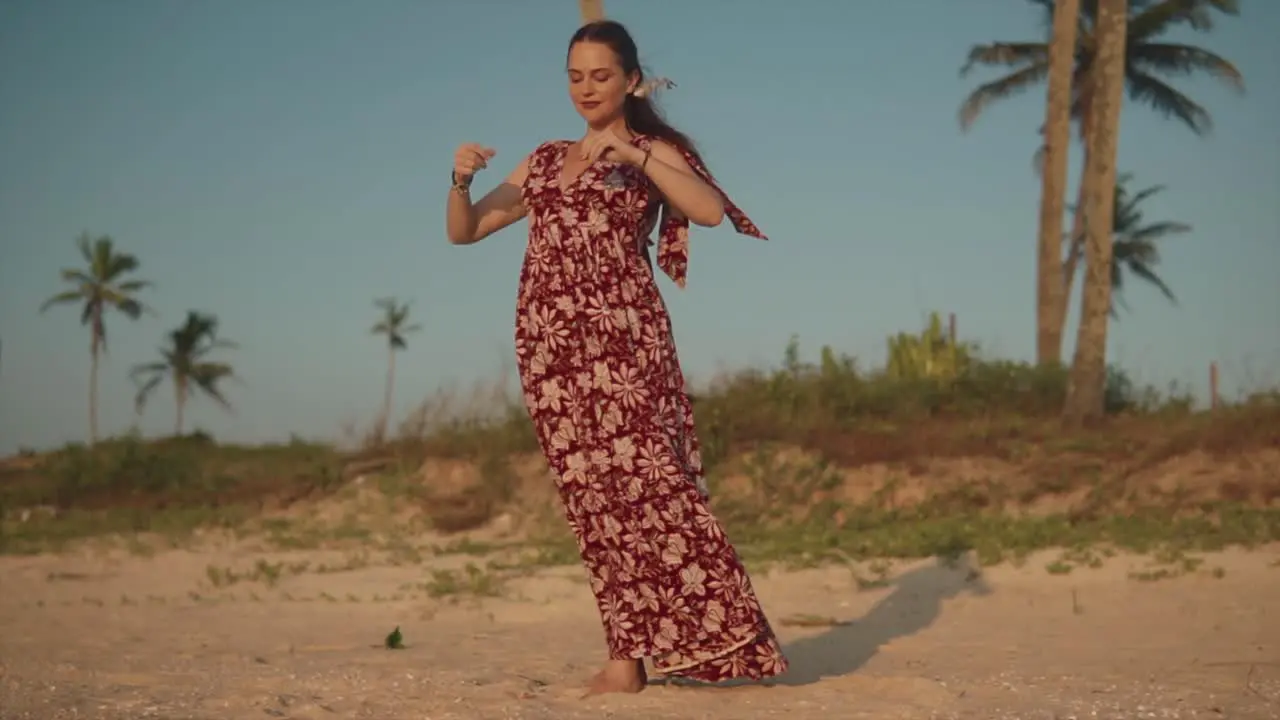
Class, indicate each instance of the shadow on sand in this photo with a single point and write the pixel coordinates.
(913, 605)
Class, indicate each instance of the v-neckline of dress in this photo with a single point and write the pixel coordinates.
(562, 163)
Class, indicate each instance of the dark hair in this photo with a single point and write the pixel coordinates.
(642, 115)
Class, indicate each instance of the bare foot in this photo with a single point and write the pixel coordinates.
(619, 676)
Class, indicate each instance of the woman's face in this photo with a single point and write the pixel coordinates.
(597, 84)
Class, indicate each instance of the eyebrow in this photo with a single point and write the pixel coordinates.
(589, 70)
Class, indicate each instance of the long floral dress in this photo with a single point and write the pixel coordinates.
(607, 397)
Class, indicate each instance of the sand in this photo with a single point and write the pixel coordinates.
(124, 636)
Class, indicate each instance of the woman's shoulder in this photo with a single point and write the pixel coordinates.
(545, 151)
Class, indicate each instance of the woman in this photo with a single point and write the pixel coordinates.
(600, 376)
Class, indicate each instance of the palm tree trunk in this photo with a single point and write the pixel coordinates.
(94, 351)
(591, 10)
(1069, 266)
(180, 404)
(1075, 242)
(1087, 384)
(387, 394)
(1075, 248)
(1051, 297)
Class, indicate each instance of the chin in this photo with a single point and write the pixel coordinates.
(596, 116)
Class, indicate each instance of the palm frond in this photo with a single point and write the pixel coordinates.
(1129, 250)
(154, 378)
(1159, 230)
(1154, 19)
(132, 286)
(73, 275)
(131, 308)
(1148, 275)
(1148, 62)
(1005, 54)
(1167, 101)
(1185, 60)
(206, 377)
(1134, 248)
(62, 298)
(101, 259)
(1140, 196)
(1004, 88)
(147, 368)
(196, 354)
(119, 264)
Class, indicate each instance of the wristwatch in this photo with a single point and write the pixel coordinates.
(462, 185)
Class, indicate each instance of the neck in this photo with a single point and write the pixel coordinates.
(618, 125)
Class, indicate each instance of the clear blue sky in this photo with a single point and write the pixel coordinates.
(284, 163)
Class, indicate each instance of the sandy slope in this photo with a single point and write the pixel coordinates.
(125, 637)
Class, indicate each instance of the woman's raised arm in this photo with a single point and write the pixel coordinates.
(469, 222)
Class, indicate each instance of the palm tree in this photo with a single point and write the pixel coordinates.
(99, 287)
(1133, 243)
(1148, 64)
(185, 362)
(1087, 383)
(395, 325)
(1050, 282)
(591, 10)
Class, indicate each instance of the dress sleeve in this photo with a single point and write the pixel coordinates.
(673, 233)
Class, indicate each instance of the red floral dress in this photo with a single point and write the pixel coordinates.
(607, 397)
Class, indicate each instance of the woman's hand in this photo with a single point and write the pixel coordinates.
(610, 146)
(471, 158)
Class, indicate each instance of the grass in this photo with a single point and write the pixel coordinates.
(809, 463)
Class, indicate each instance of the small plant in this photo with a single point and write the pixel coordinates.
(1058, 567)
(394, 640)
(931, 355)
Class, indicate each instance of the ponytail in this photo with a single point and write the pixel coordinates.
(644, 118)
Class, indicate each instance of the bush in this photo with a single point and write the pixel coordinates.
(927, 377)
(188, 470)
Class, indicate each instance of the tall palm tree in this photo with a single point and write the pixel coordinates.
(1148, 64)
(1133, 244)
(591, 10)
(1087, 383)
(186, 363)
(99, 287)
(1050, 282)
(395, 326)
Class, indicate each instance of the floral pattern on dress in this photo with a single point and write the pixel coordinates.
(607, 397)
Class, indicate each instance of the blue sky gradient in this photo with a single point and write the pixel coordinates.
(284, 163)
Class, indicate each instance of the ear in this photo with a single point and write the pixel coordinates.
(633, 82)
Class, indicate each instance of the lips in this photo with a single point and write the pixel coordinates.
(590, 105)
